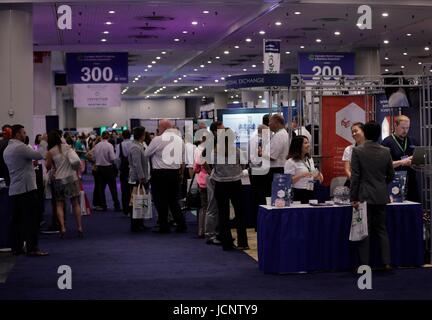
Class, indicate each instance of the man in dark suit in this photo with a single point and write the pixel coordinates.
(372, 169)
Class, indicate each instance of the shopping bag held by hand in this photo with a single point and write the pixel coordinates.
(359, 224)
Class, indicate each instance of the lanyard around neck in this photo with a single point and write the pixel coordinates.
(308, 166)
(400, 147)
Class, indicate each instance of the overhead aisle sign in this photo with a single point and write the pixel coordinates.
(86, 68)
(271, 56)
(330, 65)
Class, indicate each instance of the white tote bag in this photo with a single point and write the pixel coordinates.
(359, 224)
(141, 204)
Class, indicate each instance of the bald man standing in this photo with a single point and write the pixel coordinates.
(166, 174)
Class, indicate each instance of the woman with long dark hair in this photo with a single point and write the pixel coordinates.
(66, 182)
(302, 169)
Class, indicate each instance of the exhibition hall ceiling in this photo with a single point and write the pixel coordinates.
(188, 44)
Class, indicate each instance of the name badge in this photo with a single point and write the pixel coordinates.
(310, 185)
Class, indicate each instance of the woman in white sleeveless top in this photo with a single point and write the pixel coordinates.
(66, 181)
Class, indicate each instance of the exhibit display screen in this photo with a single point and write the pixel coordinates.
(243, 124)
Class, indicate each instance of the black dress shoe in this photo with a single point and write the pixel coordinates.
(388, 268)
(182, 229)
(162, 230)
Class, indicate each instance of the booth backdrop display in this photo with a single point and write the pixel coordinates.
(338, 115)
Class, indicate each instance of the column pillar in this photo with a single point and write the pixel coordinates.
(220, 100)
(16, 66)
(368, 62)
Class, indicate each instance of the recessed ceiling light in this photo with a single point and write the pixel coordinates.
(163, 52)
(386, 58)
(226, 52)
(175, 81)
(302, 47)
(222, 78)
(237, 47)
(176, 39)
(194, 23)
(386, 42)
(209, 62)
(248, 40)
(108, 23)
(244, 70)
(217, 57)
(196, 88)
(287, 52)
(149, 66)
(145, 70)
(216, 80)
(278, 23)
(420, 63)
(254, 66)
(133, 81)
(136, 79)
(337, 33)
(202, 66)
(427, 48)
(385, 14)
(297, 12)
(386, 70)
(408, 34)
(206, 11)
(103, 40)
(195, 70)
(106, 32)
(318, 40)
(158, 58)
(262, 32)
(225, 90)
(111, 11)
(229, 75)
(402, 67)
(184, 32)
(184, 76)
(179, 78)
(154, 62)
(200, 87)
(405, 53)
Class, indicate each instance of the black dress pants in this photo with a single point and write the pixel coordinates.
(108, 177)
(25, 221)
(125, 191)
(165, 185)
(258, 183)
(224, 192)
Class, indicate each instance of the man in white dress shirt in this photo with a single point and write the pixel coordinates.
(166, 174)
(23, 192)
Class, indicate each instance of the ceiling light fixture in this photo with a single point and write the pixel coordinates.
(297, 12)
(226, 52)
(302, 47)
(145, 70)
(106, 32)
(111, 11)
(237, 47)
(248, 40)
(318, 40)
(385, 14)
(278, 23)
(195, 70)
(386, 42)
(427, 48)
(386, 70)
(408, 34)
(287, 52)
(244, 70)
(202, 66)
(184, 76)
(194, 23)
(154, 62)
(217, 57)
(222, 78)
(262, 32)
(103, 40)
(175, 81)
(405, 53)
(163, 52)
(337, 33)
(176, 39)
(206, 11)
(200, 87)
(386, 58)
(216, 80)
(209, 62)
(149, 66)
(158, 58)
(108, 23)
(254, 66)
(420, 63)
(402, 67)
